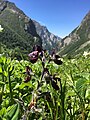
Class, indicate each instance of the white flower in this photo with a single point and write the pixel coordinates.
(1, 28)
(86, 53)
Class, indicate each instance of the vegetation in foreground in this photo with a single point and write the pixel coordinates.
(46, 87)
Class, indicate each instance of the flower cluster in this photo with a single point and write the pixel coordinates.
(46, 76)
(39, 53)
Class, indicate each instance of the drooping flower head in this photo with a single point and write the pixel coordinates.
(33, 56)
(55, 58)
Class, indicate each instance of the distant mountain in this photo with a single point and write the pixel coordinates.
(19, 30)
(49, 40)
(78, 40)
(21, 33)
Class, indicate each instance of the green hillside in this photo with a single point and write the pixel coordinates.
(78, 40)
(19, 31)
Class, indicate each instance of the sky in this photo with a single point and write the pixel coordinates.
(59, 16)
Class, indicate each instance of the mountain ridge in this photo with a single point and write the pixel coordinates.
(13, 17)
(78, 40)
(49, 40)
(22, 32)
(19, 34)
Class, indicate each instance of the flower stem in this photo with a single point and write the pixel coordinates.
(10, 88)
(2, 90)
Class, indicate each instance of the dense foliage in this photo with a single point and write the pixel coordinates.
(46, 87)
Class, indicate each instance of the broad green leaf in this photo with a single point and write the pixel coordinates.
(24, 85)
(4, 119)
(70, 93)
(80, 83)
(11, 112)
(3, 111)
(16, 115)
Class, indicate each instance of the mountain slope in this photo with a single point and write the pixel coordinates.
(49, 40)
(19, 30)
(78, 40)
(22, 32)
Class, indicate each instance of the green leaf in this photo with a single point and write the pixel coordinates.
(0, 69)
(86, 75)
(88, 93)
(11, 68)
(4, 59)
(40, 118)
(11, 112)
(4, 119)
(70, 93)
(17, 86)
(25, 84)
(80, 83)
(49, 107)
(16, 115)
(2, 83)
(5, 73)
(3, 111)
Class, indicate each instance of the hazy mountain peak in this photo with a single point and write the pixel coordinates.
(49, 40)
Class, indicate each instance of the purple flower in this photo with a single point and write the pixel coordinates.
(55, 58)
(33, 56)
